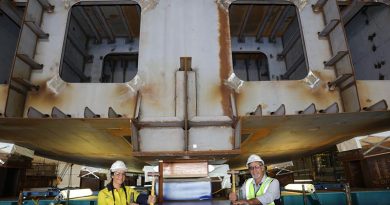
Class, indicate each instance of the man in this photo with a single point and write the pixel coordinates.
(260, 189)
(116, 193)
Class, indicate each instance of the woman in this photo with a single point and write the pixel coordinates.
(116, 193)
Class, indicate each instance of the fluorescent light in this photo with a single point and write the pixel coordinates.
(302, 180)
(298, 187)
(75, 193)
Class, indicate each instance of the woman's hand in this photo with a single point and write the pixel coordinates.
(151, 199)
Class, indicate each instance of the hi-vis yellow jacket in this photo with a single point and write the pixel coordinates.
(109, 196)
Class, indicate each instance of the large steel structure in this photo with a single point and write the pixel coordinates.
(96, 81)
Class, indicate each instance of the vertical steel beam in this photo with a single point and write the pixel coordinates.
(185, 65)
(45, 4)
(105, 25)
(248, 11)
(348, 194)
(77, 21)
(74, 68)
(78, 47)
(294, 67)
(289, 44)
(91, 25)
(10, 12)
(247, 62)
(304, 195)
(317, 7)
(279, 23)
(351, 10)
(160, 182)
(263, 23)
(341, 59)
(128, 29)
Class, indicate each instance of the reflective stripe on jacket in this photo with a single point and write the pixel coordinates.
(105, 196)
(250, 188)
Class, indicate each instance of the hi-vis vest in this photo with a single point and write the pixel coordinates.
(250, 188)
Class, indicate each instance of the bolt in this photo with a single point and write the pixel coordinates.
(371, 37)
(381, 77)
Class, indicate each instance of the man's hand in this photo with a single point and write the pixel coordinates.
(247, 202)
(240, 202)
(233, 196)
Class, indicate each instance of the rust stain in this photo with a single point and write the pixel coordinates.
(121, 90)
(3, 98)
(316, 95)
(363, 93)
(45, 98)
(127, 108)
(320, 95)
(240, 97)
(3, 91)
(148, 89)
(119, 132)
(243, 97)
(152, 91)
(126, 100)
(258, 135)
(332, 140)
(224, 59)
(125, 93)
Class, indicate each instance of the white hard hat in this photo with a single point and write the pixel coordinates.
(118, 166)
(254, 158)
